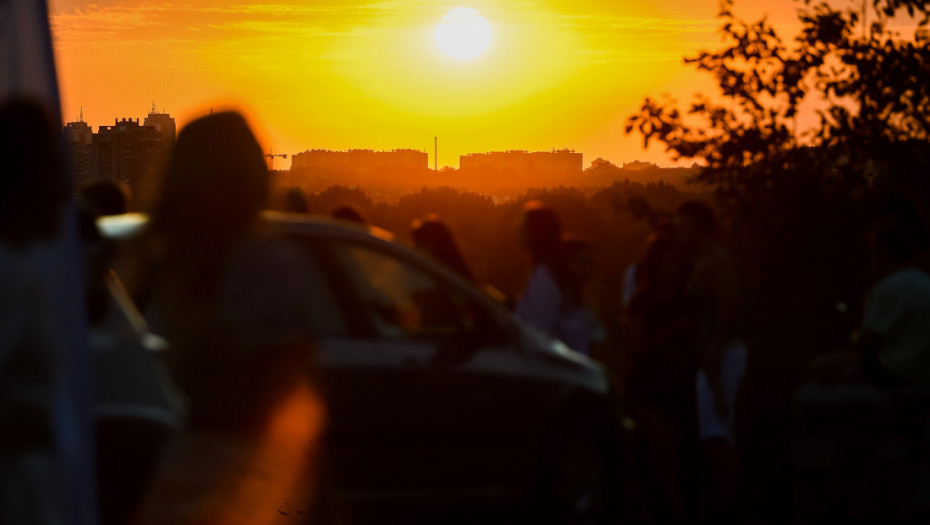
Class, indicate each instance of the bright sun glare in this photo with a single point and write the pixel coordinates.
(463, 33)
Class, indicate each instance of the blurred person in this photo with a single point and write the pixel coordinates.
(882, 377)
(32, 473)
(894, 340)
(551, 293)
(236, 308)
(291, 200)
(105, 197)
(579, 255)
(661, 386)
(349, 212)
(890, 347)
(433, 237)
(893, 343)
(660, 307)
(713, 293)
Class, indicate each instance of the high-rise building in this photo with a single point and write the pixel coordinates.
(80, 143)
(129, 154)
(163, 123)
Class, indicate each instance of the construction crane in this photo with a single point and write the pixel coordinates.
(271, 155)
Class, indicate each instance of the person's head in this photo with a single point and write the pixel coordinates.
(289, 200)
(893, 245)
(579, 255)
(216, 181)
(349, 212)
(35, 189)
(295, 201)
(433, 236)
(695, 224)
(903, 209)
(663, 264)
(104, 197)
(541, 232)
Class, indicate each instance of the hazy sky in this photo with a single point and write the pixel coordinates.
(343, 74)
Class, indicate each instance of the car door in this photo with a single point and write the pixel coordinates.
(440, 397)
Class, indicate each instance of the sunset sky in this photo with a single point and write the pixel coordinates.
(343, 74)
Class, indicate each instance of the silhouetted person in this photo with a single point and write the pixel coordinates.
(661, 387)
(433, 237)
(579, 256)
(349, 212)
(659, 305)
(292, 200)
(551, 294)
(237, 308)
(31, 203)
(713, 292)
(894, 340)
(883, 378)
(105, 197)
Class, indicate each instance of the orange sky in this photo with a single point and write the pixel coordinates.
(344, 74)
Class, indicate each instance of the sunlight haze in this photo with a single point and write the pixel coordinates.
(351, 74)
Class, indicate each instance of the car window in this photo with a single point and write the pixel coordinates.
(326, 316)
(403, 300)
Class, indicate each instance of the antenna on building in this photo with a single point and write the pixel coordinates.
(81, 118)
(435, 153)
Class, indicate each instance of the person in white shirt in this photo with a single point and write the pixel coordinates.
(894, 340)
(551, 296)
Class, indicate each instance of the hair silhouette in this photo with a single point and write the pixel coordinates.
(542, 232)
(104, 197)
(349, 212)
(295, 201)
(216, 182)
(433, 236)
(701, 215)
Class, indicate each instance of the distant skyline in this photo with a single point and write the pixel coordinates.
(355, 74)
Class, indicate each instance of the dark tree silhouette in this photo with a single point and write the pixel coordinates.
(798, 197)
(801, 138)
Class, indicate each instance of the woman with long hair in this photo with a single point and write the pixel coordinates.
(236, 307)
(433, 237)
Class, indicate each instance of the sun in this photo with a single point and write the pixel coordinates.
(463, 33)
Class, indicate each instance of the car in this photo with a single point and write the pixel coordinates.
(441, 402)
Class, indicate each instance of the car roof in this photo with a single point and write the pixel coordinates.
(119, 227)
(321, 225)
(126, 226)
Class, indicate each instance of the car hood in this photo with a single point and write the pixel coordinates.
(551, 359)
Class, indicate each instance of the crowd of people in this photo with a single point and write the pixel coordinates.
(206, 275)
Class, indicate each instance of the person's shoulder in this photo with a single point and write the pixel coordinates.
(543, 274)
(542, 283)
(906, 279)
